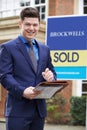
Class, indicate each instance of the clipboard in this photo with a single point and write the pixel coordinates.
(49, 89)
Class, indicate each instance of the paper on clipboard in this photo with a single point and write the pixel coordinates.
(48, 89)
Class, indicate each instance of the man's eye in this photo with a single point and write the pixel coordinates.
(27, 24)
(35, 25)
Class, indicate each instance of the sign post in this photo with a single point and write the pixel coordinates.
(67, 39)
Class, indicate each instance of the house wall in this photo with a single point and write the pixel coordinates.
(61, 7)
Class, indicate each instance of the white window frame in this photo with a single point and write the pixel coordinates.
(40, 5)
(15, 11)
(80, 4)
(78, 7)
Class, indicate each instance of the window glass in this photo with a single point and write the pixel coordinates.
(85, 2)
(43, 16)
(85, 6)
(43, 9)
(42, 1)
(25, 2)
(85, 10)
(36, 1)
(38, 9)
(84, 87)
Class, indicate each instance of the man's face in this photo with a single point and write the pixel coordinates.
(29, 27)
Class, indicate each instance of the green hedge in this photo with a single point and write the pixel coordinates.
(78, 110)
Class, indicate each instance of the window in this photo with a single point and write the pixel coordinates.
(85, 6)
(13, 7)
(41, 6)
(24, 3)
(84, 87)
(7, 7)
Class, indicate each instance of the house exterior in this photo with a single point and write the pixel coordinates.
(9, 11)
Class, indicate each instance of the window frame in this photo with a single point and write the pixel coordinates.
(13, 11)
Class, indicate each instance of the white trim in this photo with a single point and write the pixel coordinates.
(47, 9)
(65, 16)
(32, 3)
(80, 4)
(77, 87)
(13, 11)
(78, 7)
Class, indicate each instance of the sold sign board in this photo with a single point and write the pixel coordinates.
(67, 39)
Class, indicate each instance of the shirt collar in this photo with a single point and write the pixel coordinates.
(24, 40)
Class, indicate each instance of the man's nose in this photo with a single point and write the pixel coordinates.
(31, 27)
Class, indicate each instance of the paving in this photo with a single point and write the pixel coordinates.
(53, 127)
(63, 127)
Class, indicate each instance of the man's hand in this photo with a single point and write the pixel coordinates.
(48, 75)
(30, 93)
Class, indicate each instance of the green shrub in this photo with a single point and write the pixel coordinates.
(78, 110)
(56, 110)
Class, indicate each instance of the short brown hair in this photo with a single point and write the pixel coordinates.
(29, 12)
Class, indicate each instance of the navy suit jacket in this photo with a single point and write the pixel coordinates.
(17, 73)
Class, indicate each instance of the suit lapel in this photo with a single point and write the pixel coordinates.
(21, 46)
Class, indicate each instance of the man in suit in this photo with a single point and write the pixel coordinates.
(19, 77)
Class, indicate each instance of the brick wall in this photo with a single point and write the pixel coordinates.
(67, 93)
(2, 101)
(61, 7)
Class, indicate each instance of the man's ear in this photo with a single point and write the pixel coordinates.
(20, 23)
